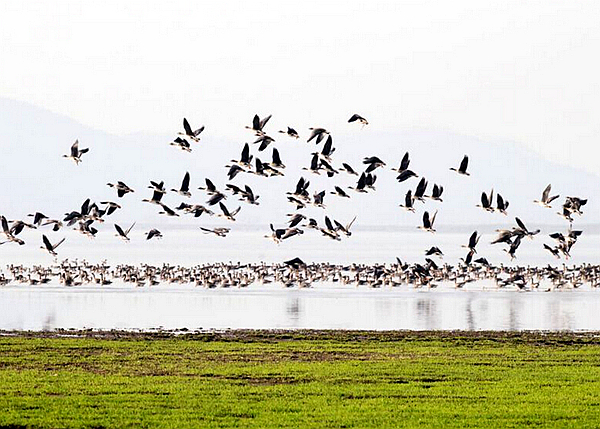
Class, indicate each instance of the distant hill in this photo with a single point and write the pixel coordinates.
(35, 177)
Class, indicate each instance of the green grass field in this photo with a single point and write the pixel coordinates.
(301, 379)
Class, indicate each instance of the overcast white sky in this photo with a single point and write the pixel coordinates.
(521, 71)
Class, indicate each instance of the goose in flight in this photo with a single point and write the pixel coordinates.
(327, 150)
(249, 196)
(553, 250)
(264, 141)
(123, 234)
(276, 160)
(373, 163)
(546, 198)
(56, 224)
(463, 166)
(234, 170)
(340, 192)
(182, 144)
(76, 152)
(344, 229)
(487, 201)
(329, 230)
(501, 204)
(111, 207)
(428, 222)
(166, 210)
(185, 186)
(157, 194)
(408, 202)
(405, 175)
(10, 237)
(404, 163)
(227, 214)
(290, 132)
(360, 185)
(38, 217)
(245, 159)
(122, 188)
(153, 233)
(360, 119)
(296, 218)
(192, 134)
(210, 188)
(319, 133)
(51, 248)
(436, 194)
(318, 198)
(522, 229)
(219, 232)
(434, 251)
(473, 240)
(420, 191)
(258, 124)
(348, 169)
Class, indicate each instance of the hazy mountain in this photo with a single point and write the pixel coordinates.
(35, 176)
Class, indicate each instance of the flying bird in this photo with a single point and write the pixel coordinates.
(192, 134)
(463, 166)
(76, 152)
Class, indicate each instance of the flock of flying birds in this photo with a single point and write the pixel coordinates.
(91, 214)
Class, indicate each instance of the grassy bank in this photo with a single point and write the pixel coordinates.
(302, 379)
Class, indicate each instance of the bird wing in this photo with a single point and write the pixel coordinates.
(130, 228)
(521, 224)
(185, 185)
(187, 128)
(210, 185)
(433, 218)
(264, 121)
(464, 163)
(405, 162)
(328, 223)
(473, 240)
(353, 118)
(426, 222)
(245, 154)
(327, 146)
(47, 242)
(546, 193)
(350, 224)
(119, 230)
(58, 244)
(75, 149)
(198, 131)
(224, 209)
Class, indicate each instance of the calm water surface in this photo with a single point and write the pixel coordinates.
(324, 306)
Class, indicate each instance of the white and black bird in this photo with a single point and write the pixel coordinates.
(428, 222)
(153, 233)
(124, 234)
(357, 118)
(290, 132)
(184, 190)
(122, 188)
(51, 248)
(227, 214)
(462, 169)
(546, 198)
(182, 144)
(76, 152)
(258, 124)
(188, 132)
(318, 133)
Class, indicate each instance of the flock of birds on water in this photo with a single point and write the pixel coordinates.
(295, 271)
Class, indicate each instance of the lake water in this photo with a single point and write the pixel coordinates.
(324, 306)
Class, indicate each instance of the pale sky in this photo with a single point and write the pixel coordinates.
(518, 71)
